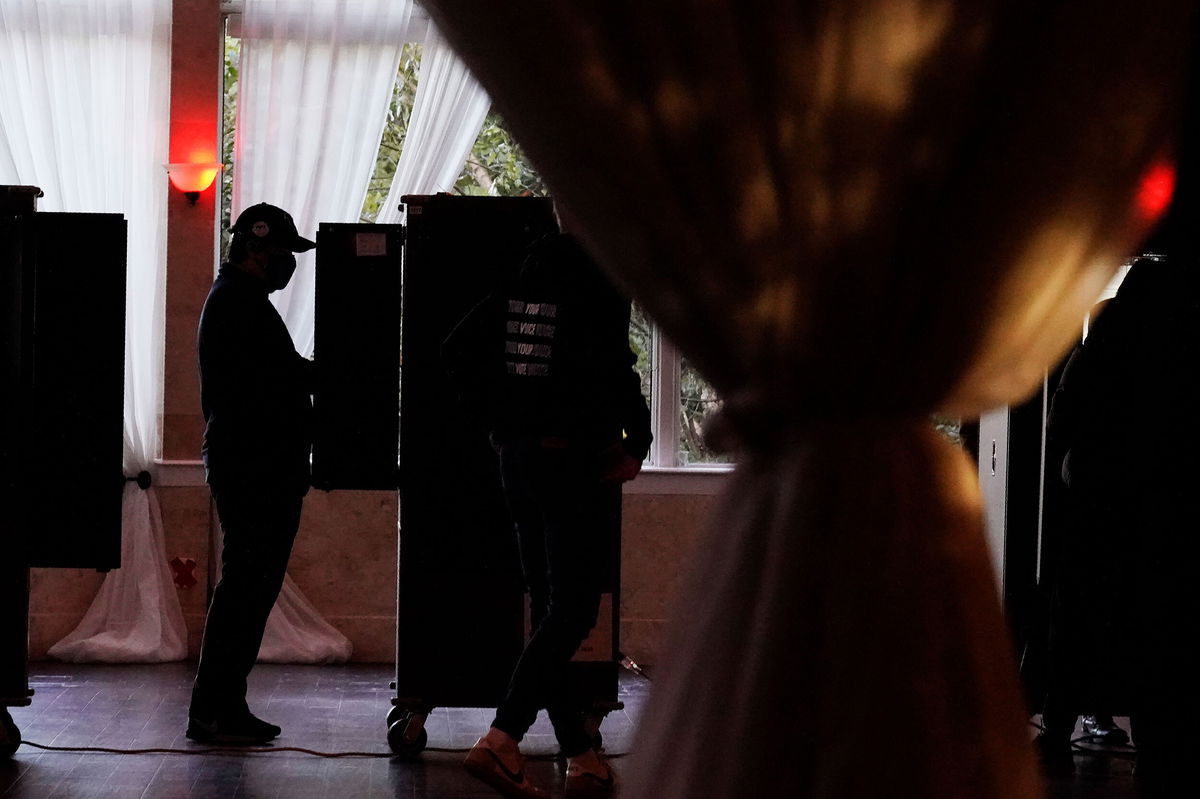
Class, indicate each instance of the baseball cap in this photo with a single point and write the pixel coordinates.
(266, 221)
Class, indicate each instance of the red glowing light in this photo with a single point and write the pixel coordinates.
(1155, 190)
(193, 177)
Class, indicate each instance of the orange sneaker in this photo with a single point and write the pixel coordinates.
(485, 765)
(585, 784)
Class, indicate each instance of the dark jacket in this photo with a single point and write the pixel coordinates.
(548, 355)
(255, 389)
(1124, 568)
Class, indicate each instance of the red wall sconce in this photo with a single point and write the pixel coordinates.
(191, 179)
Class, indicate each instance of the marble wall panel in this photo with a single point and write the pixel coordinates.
(659, 535)
(187, 530)
(58, 598)
(344, 562)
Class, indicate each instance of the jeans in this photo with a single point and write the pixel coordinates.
(259, 524)
(553, 494)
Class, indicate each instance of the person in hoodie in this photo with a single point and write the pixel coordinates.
(1122, 417)
(255, 392)
(546, 366)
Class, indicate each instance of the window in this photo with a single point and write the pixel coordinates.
(229, 95)
(680, 399)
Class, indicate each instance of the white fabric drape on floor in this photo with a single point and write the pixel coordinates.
(315, 84)
(314, 87)
(84, 115)
(447, 114)
(135, 617)
(296, 633)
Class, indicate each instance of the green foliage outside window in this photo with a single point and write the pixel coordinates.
(233, 49)
(496, 165)
(641, 342)
(404, 93)
(950, 427)
(697, 401)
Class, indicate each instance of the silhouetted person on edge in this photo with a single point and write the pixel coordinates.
(549, 366)
(1132, 476)
(1085, 562)
(1098, 728)
(255, 392)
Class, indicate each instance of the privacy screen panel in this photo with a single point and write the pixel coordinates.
(461, 603)
(357, 351)
(74, 337)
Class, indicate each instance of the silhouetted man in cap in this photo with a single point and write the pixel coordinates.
(255, 390)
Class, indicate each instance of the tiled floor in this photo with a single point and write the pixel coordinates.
(322, 708)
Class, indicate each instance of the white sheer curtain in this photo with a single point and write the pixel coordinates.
(447, 113)
(316, 78)
(84, 106)
(315, 83)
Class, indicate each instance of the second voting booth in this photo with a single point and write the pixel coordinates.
(387, 297)
(62, 335)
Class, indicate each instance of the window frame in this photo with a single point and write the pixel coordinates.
(666, 411)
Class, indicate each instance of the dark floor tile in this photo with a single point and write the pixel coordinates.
(322, 708)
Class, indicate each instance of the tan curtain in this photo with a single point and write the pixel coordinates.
(848, 215)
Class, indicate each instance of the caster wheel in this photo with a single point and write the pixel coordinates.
(394, 715)
(400, 745)
(10, 736)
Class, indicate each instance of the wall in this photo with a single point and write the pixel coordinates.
(659, 533)
(345, 564)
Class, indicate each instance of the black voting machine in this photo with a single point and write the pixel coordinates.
(62, 334)
(357, 348)
(461, 620)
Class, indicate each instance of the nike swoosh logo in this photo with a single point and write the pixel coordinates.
(517, 777)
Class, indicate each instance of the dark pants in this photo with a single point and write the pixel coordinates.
(259, 524)
(1094, 630)
(554, 497)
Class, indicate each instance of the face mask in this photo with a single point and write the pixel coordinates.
(279, 270)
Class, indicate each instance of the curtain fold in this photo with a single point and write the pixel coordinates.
(847, 215)
(314, 88)
(447, 114)
(135, 617)
(296, 632)
(84, 115)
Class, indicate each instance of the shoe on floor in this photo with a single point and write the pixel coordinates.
(586, 785)
(581, 784)
(485, 765)
(1103, 730)
(247, 730)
